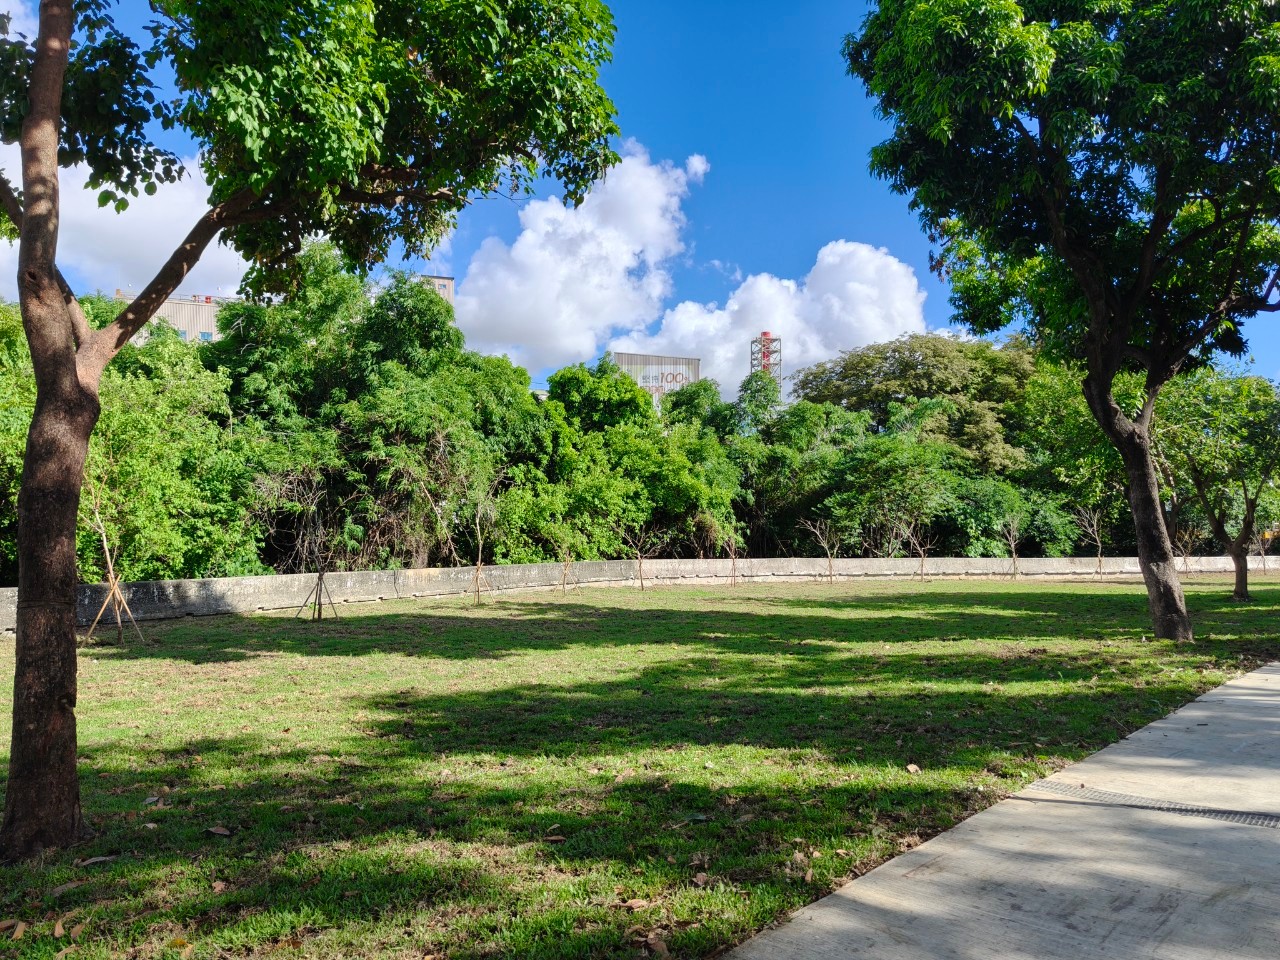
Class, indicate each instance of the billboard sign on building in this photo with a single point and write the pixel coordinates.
(659, 375)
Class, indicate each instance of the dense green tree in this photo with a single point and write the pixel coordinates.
(700, 403)
(370, 122)
(1103, 172)
(170, 475)
(1221, 436)
(982, 382)
(758, 400)
(599, 397)
(893, 483)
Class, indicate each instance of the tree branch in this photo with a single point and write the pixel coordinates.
(44, 315)
(392, 197)
(79, 322)
(108, 341)
(1161, 220)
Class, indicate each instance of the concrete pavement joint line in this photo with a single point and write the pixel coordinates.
(1163, 806)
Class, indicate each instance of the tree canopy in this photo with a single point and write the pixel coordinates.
(1101, 172)
(370, 123)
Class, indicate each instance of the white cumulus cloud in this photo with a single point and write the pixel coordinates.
(575, 283)
(854, 295)
(99, 249)
(575, 277)
(22, 19)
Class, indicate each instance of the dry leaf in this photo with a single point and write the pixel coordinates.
(218, 886)
(219, 831)
(189, 952)
(75, 931)
(92, 860)
(19, 930)
(554, 838)
(912, 768)
(636, 904)
(64, 952)
(701, 880)
(808, 875)
(293, 942)
(58, 932)
(657, 945)
(60, 890)
(151, 826)
(7, 924)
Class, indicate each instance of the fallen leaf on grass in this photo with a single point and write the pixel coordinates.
(636, 904)
(219, 831)
(912, 768)
(554, 838)
(151, 826)
(64, 952)
(60, 890)
(75, 931)
(701, 880)
(19, 930)
(219, 886)
(7, 925)
(808, 875)
(92, 860)
(657, 945)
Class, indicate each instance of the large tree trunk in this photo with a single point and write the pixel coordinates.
(1240, 560)
(1169, 616)
(1132, 439)
(42, 800)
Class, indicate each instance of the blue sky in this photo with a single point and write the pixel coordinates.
(760, 90)
(744, 203)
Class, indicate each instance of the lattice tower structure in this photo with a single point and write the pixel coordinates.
(766, 355)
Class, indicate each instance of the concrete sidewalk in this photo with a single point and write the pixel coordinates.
(1165, 845)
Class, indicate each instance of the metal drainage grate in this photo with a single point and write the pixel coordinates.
(1163, 806)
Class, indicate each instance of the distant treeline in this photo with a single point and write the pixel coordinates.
(348, 427)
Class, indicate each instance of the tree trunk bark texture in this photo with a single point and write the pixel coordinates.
(1169, 616)
(42, 799)
(1240, 560)
(1132, 440)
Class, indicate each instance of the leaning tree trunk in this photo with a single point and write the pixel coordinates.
(1155, 551)
(1132, 439)
(42, 800)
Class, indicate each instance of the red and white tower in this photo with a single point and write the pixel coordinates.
(766, 355)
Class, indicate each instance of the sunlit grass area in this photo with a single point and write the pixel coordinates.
(602, 773)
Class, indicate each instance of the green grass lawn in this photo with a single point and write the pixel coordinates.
(600, 774)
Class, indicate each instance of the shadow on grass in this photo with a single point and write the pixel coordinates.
(522, 819)
(821, 622)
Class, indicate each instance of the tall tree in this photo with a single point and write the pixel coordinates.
(982, 381)
(1103, 171)
(1221, 435)
(369, 121)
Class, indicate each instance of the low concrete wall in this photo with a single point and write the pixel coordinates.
(171, 599)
